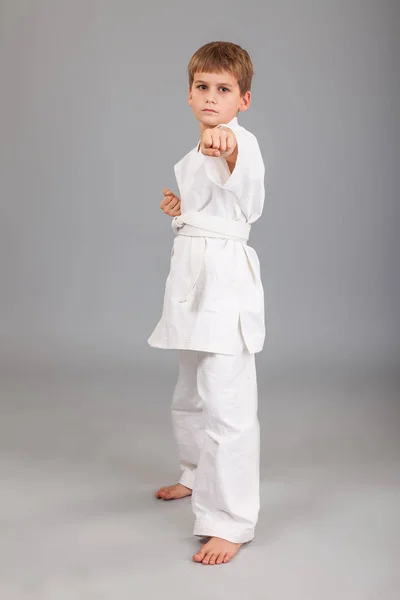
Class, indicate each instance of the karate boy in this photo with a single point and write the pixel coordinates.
(213, 310)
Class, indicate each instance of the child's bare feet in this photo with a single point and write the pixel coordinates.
(173, 492)
(216, 551)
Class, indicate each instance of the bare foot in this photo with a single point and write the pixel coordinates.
(216, 551)
(173, 492)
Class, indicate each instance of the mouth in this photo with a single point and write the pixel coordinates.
(209, 110)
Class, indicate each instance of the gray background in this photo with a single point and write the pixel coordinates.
(93, 117)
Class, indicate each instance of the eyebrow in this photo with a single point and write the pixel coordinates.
(225, 84)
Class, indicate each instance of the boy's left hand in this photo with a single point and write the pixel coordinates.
(218, 141)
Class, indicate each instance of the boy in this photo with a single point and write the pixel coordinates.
(213, 309)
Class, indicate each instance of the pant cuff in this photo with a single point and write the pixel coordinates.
(225, 531)
(187, 478)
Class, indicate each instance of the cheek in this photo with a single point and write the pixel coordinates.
(195, 98)
(229, 99)
(229, 102)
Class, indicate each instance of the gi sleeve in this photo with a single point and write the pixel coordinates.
(246, 182)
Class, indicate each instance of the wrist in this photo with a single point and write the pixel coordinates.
(231, 158)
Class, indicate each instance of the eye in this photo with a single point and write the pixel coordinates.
(224, 89)
(202, 86)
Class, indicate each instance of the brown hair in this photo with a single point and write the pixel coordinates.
(215, 57)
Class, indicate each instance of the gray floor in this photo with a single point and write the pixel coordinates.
(83, 451)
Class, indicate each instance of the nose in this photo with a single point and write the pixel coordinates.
(210, 98)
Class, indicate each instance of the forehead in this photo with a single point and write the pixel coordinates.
(220, 77)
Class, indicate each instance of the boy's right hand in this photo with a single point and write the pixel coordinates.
(170, 204)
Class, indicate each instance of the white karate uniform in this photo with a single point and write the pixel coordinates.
(220, 307)
(214, 416)
(213, 312)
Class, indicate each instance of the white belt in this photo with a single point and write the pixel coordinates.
(200, 226)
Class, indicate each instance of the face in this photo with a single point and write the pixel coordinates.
(215, 98)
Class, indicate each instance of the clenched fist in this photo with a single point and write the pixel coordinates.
(218, 141)
(170, 204)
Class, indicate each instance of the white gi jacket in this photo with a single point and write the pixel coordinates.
(214, 298)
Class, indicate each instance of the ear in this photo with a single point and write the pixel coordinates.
(245, 102)
(190, 96)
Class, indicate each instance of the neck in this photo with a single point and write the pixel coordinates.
(204, 127)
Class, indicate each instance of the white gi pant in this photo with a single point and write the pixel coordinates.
(214, 416)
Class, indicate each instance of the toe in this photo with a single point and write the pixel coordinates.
(212, 559)
(219, 559)
(198, 557)
(207, 557)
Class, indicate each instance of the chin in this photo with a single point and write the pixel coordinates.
(209, 119)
